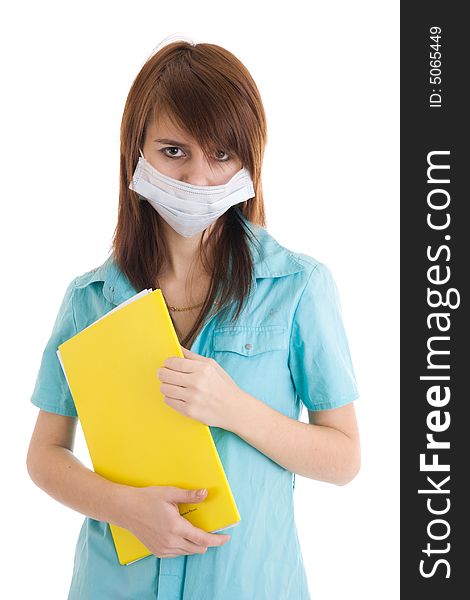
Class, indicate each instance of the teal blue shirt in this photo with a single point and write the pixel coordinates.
(288, 349)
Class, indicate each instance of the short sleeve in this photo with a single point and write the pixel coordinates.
(51, 392)
(319, 357)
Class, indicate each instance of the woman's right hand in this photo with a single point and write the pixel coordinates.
(151, 513)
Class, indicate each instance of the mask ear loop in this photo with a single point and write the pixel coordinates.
(139, 197)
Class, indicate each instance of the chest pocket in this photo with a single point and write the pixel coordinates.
(250, 340)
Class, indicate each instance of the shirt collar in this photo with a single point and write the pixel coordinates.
(270, 259)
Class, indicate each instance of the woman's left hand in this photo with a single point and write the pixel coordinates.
(198, 387)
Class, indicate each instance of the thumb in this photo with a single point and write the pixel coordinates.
(194, 355)
(181, 495)
(187, 352)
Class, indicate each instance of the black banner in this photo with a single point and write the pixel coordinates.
(434, 259)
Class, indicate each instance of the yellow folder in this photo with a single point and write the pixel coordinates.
(133, 437)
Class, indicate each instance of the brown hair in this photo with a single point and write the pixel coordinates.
(210, 94)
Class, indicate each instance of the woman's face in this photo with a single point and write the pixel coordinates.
(174, 153)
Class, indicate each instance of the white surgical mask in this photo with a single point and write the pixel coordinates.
(188, 208)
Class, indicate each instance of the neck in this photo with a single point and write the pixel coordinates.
(183, 254)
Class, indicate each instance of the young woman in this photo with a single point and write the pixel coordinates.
(261, 331)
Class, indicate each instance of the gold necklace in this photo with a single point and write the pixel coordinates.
(183, 308)
(175, 309)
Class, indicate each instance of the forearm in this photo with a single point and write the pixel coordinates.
(61, 475)
(314, 451)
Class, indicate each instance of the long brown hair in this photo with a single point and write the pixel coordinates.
(210, 94)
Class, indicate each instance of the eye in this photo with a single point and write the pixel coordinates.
(222, 152)
(170, 148)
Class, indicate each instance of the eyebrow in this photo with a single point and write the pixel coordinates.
(172, 142)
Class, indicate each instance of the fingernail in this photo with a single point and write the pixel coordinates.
(201, 493)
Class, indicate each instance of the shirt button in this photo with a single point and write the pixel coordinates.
(248, 346)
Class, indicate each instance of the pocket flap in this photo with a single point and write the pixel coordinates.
(249, 341)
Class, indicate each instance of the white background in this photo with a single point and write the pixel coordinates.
(328, 77)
